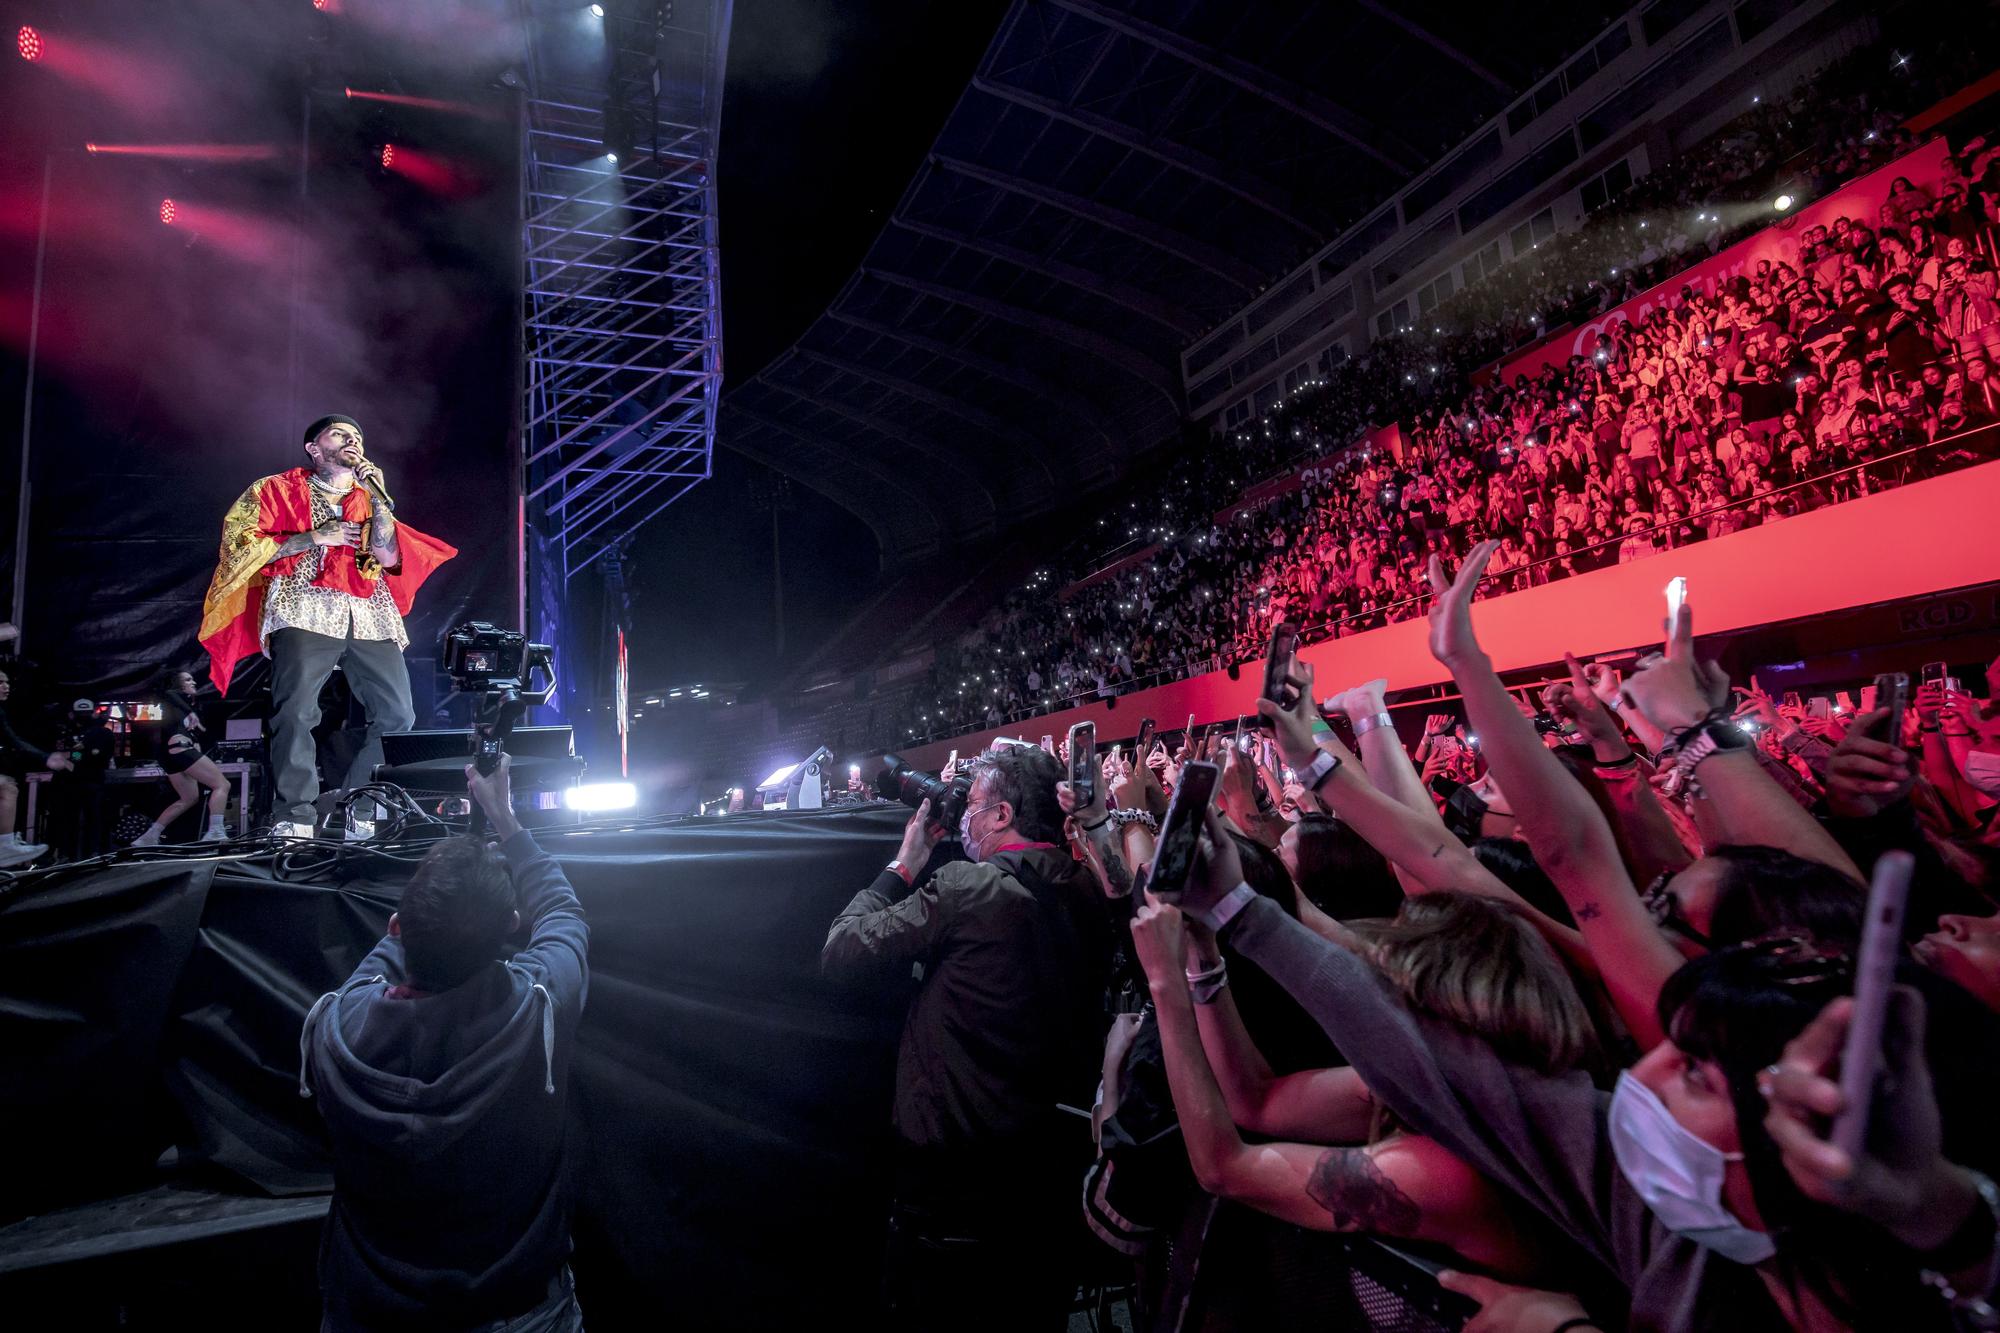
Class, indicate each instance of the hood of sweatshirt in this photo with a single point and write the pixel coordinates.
(413, 1074)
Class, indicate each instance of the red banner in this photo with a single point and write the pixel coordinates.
(1861, 201)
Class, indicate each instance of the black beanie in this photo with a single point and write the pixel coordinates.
(331, 419)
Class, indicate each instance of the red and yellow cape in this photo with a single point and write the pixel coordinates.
(273, 509)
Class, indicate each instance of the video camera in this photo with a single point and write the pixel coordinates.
(899, 782)
(495, 664)
(479, 657)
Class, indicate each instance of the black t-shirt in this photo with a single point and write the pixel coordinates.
(93, 751)
(1762, 401)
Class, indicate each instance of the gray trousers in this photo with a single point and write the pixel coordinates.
(301, 662)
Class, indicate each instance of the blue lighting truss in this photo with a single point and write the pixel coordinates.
(622, 279)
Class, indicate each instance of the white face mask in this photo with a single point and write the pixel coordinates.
(1982, 770)
(1678, 1175)
(972, 845)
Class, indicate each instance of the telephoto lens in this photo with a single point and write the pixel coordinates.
(912, 786)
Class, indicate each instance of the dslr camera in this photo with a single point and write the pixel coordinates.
(912, 786)
(479, 656)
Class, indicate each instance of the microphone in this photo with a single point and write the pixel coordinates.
(374, 485)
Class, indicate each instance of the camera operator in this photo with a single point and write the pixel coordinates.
(1005, 1025)
(442, 1075)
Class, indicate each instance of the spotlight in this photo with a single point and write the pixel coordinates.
(388, 155)
(594, 797)
(321, 4)
(597, 11)
(612, 158)
(167, 211)
(1782, 203)
(29, 43)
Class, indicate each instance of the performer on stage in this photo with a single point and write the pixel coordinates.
(317, 572)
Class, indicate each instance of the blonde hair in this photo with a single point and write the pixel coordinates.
(1480, 964)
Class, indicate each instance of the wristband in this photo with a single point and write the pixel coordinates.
(1367, 724)
(1092, 828)
(901, 870)
(1318, 771)
(1226, 910)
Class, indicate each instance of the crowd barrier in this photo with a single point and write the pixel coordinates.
(730, 1109)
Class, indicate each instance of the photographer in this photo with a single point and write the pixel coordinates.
(1004, 1027)
(442, 1074)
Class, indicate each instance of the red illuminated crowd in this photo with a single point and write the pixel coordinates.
(1763, 399)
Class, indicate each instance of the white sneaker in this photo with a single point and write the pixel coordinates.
(287, 828)
(216, 833)
(150, 838)
(14, 852)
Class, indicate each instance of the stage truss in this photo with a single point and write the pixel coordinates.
(623, 327)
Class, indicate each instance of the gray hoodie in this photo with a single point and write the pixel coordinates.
(446, 1112)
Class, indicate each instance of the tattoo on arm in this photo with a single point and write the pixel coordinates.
(1437, 851)
(295, 544)
(1359, 1197)
(1588, 912)
(1116, 872)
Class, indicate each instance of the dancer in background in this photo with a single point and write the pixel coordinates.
(188, 768)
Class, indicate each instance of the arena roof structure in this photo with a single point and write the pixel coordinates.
(1117, 178)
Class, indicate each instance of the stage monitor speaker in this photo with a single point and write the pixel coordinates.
(541, 759)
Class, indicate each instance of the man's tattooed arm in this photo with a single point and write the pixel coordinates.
(1359, 1197)
(1117, 875)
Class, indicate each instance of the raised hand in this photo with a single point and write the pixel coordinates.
(1603, 680)
(1901, 1179)
(1670, 689)
(1291, 727)
(1160, 940)
(1452, 639)
(1867, 776)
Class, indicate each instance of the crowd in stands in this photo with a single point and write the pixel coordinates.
(1738, 407)
(1586, 1000)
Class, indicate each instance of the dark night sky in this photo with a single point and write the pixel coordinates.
(827, 112)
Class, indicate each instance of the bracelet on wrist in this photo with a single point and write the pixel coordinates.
(1206, 985)
(1123, 820)
(1364, 725)
(1092, 828)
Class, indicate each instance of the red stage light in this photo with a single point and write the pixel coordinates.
(319, 4)
(167, 211)
(388, 155)
(29, 43)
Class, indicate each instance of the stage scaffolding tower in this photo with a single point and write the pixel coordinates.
(622, 322)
